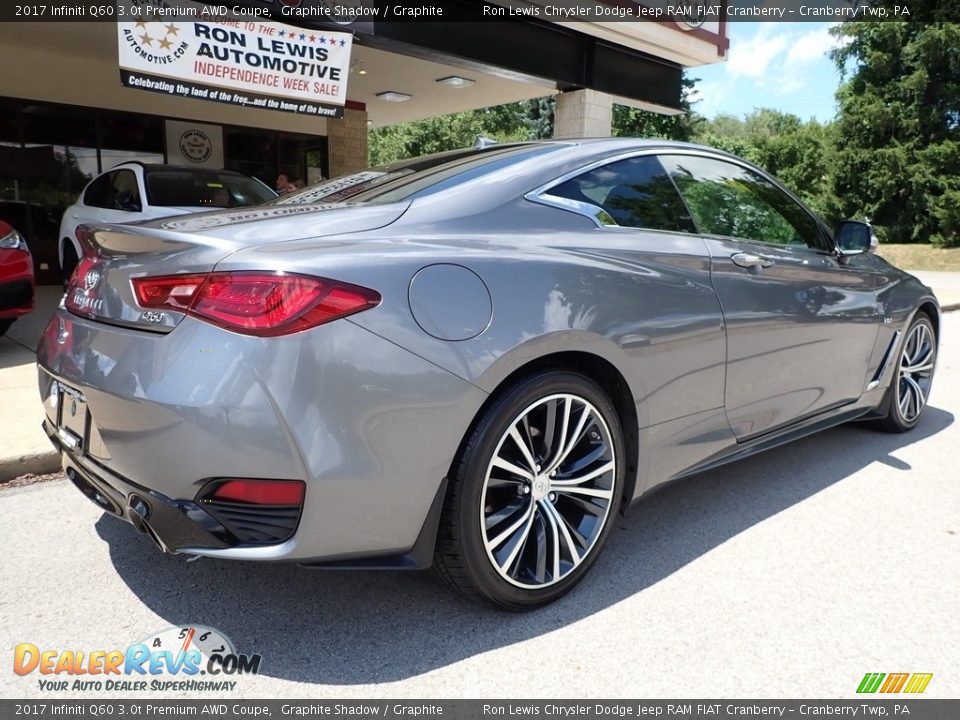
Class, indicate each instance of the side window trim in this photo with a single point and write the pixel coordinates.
(598, 215)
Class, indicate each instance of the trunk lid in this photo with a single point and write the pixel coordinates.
(101, 287)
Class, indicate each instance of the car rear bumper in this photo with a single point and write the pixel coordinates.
(172, 524)
(368, 427)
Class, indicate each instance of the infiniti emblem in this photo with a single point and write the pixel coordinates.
(91, 279)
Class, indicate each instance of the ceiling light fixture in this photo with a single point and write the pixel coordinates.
(455, 81)
(394, 96)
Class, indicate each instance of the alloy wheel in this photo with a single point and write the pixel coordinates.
(916, 372)
(548, 491)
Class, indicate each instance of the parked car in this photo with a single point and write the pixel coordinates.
(474, 365)
(135, 191)
(16, 277)
(40, 230)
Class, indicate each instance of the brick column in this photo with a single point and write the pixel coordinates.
(347, 142)
(582, 113)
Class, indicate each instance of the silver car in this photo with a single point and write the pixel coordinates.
(472, 360)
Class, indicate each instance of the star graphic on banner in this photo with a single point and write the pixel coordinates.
(146, 40)
(333, 41)
(173, 30)
(282, 33)
(302, 36)
(142, 24)
(313, 38)
(165, 44)
(323, 40)
(343, 43)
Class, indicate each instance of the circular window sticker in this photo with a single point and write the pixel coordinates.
(196, 146)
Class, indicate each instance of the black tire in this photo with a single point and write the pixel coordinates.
(4, 326)
(569, 534)
(69, 263)
(897, 418)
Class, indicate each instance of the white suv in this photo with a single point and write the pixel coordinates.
(134, 191)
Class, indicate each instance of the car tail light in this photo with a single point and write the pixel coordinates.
(83, 289)
(254, 512)
(255, 303)
(256, 492)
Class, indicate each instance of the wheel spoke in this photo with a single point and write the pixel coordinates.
(584, 505)
(541, 571)
(577, 465)
(562, 525)
(918, 398)
(509, 532)
(521, 541)
(510, 467)
(904, 399)
(574, 438)
(555, 540)
(572, 481)
(564, 426)
(502, 514)
(527, 455)
(590, 492)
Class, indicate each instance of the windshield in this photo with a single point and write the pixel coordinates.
(188, 187)
(411, 178)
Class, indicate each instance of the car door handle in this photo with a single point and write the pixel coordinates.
(751, 261)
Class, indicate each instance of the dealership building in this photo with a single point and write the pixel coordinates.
(65, 116)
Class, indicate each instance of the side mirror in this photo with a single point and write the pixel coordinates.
(855, 238)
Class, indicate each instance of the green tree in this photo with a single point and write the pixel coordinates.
(798, 153)
(524, 120)
(632, 122)
(898, 133)
(447, 132)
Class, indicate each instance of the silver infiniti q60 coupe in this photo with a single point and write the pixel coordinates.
(471, 360)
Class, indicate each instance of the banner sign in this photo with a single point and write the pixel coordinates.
(261, 64)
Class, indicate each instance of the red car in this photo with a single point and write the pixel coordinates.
(16, 277)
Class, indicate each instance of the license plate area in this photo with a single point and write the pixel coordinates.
(72, 418)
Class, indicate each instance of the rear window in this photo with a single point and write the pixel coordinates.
(412, 178)
(173, 187)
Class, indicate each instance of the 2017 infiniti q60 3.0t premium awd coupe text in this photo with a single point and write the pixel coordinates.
(472, 360)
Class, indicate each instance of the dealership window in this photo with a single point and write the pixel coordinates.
(126, 137)
(264, 154)
(50, 152)
(252, 152)
(9, 150)
(58, 156)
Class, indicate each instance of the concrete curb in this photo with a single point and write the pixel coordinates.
(40, 463)
(951, 306)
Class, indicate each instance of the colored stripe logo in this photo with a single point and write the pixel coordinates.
(914, 683)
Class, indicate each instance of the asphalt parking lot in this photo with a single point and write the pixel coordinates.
(790, 574)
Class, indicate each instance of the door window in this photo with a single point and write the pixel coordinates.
(636, 192)
(731, 201)
(98, 192)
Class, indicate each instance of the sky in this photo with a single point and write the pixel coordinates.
(783, 66)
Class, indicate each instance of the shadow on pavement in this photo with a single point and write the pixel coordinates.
(357, 628)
